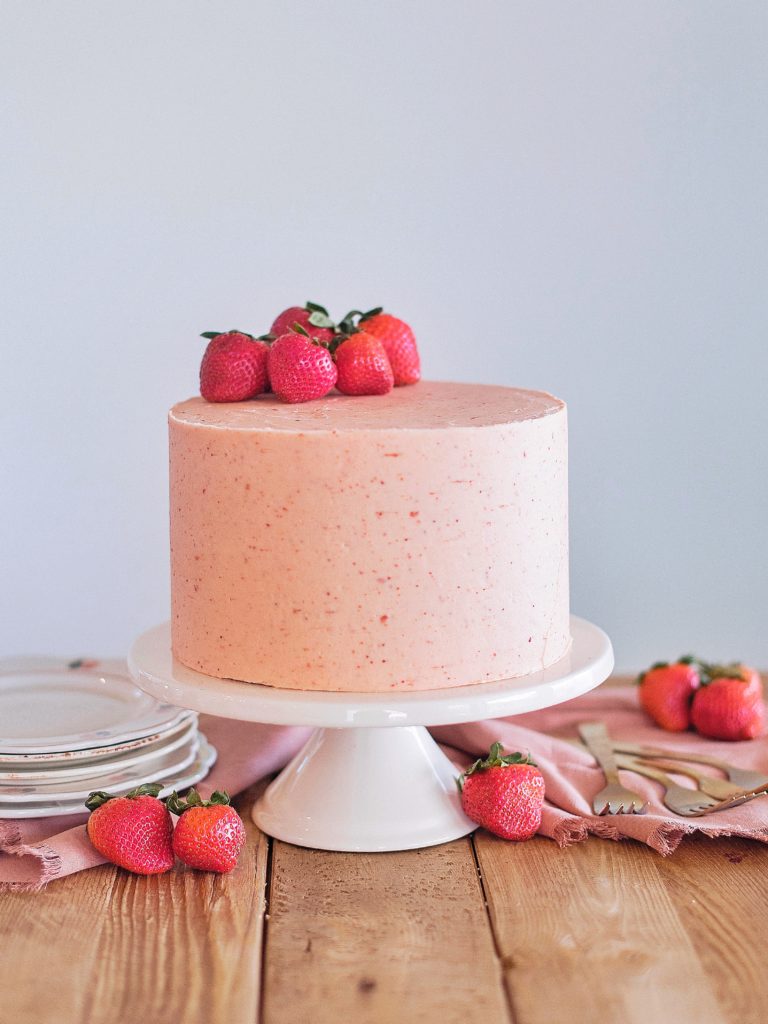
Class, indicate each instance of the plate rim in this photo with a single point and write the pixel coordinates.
(164, 715)
(188, 758)
(92, 753)
(207, 758)
(83, 769)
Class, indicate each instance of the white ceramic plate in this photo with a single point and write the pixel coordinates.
(51, 706)
(206, 758)
(112, 777)
(93, 755)
(118, 781)
(60, 771)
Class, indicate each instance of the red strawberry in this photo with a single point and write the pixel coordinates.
(398, 341)
(300, 369)
(666, 692)
(209, 834)
(313, 318)
(132, 831)
(363, 366)
(504, 793)
(234, 367)
(729, 705)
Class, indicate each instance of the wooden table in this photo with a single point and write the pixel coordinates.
(473, 931)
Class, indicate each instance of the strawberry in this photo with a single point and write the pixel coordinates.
(666, 692)
(299, 368)
(504, 793)
(132, 831)
(399, 343)
(313, 318)
(234, 367)
(209, 834)
(363, 366)
(729, 705)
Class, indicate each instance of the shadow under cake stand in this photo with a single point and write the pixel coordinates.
(370, 778)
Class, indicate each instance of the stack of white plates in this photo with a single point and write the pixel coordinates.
(67, 729)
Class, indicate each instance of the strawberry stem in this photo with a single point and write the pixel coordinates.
(321, 320)
(215, 334)
(371, 313)
(99, 797)
(710, 672)
(315, 307)
(338, 339)
(178, 805)
(496, 759)
(347, 323)
(686, 659)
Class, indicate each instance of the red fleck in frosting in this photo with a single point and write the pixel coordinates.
(414, 540)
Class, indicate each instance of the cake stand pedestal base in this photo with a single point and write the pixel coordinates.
(379, 789)
(370, 778)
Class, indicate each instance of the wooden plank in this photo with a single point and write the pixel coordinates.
(105, 946)
(590, 933)
(50, 944)
(376, 938)
(719, 891)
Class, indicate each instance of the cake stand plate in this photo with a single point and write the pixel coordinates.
(370, 778)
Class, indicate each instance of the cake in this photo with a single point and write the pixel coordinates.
(415, 540)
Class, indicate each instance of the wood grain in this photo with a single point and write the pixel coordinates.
(105, 946)
(720, 891)
(50, 943)
(376, 938)
(590, 934)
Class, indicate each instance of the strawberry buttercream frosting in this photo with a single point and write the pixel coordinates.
(408, 541)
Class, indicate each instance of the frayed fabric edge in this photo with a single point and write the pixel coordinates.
(47, 863)
(664, 839)
(574, 830)
(667, 837)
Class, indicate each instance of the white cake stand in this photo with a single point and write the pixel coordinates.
(370, 777)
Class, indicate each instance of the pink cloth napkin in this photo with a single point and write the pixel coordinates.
(35, 851)
(572, 778)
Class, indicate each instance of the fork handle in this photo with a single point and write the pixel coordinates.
(632, 765)
(718, 788)
(672, 755)
(598, 742)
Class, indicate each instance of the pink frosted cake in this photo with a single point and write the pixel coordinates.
(408, 541)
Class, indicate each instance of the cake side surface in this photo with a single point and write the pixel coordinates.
(371, 545)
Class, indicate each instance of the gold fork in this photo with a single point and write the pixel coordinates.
(740, 777)
(741, 798)
(717, 788)
(614, 798)
(678, 799)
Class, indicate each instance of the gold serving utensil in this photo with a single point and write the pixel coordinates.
(717, 788)
(614, 798)
(741, 777)
(654, 763)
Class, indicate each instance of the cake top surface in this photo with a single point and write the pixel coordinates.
(428, 405)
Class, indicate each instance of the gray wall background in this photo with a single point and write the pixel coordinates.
(560, 195)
